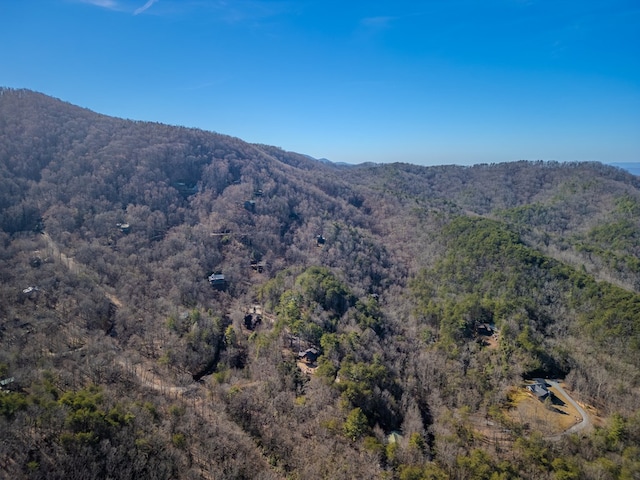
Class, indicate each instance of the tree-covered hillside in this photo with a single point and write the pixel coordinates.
(178, 303)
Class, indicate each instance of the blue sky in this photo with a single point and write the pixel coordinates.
(426, 82)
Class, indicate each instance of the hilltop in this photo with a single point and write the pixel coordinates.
(179, 303)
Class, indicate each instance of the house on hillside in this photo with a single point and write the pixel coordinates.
(539, 389)
(185, 188)
(309, 356)
(307, 360)
(217, 281)
(253, 317)
(258, 266)
(250, 205)
(6, 382)
(124, 227)
(484, 329)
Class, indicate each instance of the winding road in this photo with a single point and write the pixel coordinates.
(585, 423)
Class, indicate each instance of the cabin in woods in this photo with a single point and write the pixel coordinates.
(124, 227)
(217, 281)
(307, 360)
(253, 317)
(309, 356)
(258, 266)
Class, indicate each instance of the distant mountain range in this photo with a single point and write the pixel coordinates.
(631, 167)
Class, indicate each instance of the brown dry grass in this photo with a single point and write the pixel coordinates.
(491, 342)
(549, 418)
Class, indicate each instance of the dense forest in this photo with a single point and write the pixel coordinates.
(176, 303)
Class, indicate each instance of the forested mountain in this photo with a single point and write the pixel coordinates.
(178, 303)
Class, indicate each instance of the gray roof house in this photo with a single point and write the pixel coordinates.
(539, 389)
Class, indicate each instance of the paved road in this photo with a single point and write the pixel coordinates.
(581, 425)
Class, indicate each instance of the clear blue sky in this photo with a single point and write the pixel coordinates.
(427, 82)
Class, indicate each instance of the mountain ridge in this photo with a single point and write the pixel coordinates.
(355, 302)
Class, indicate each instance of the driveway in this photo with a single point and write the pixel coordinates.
(583, 424)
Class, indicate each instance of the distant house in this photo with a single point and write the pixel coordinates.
(186, 188)
(539, 389)
(5, 382)
(250, 205)
(217, 281)
(35, 262)
(258, 266)
(320, 240)
(252, 320)
(484, 329)
(124, 227)
(309, 356)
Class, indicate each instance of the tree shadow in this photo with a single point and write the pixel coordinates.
(552, 402)
(556, 401)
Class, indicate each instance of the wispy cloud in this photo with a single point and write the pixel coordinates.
(377, 22)
(234, 12)
(145, 7)
(110, 4)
